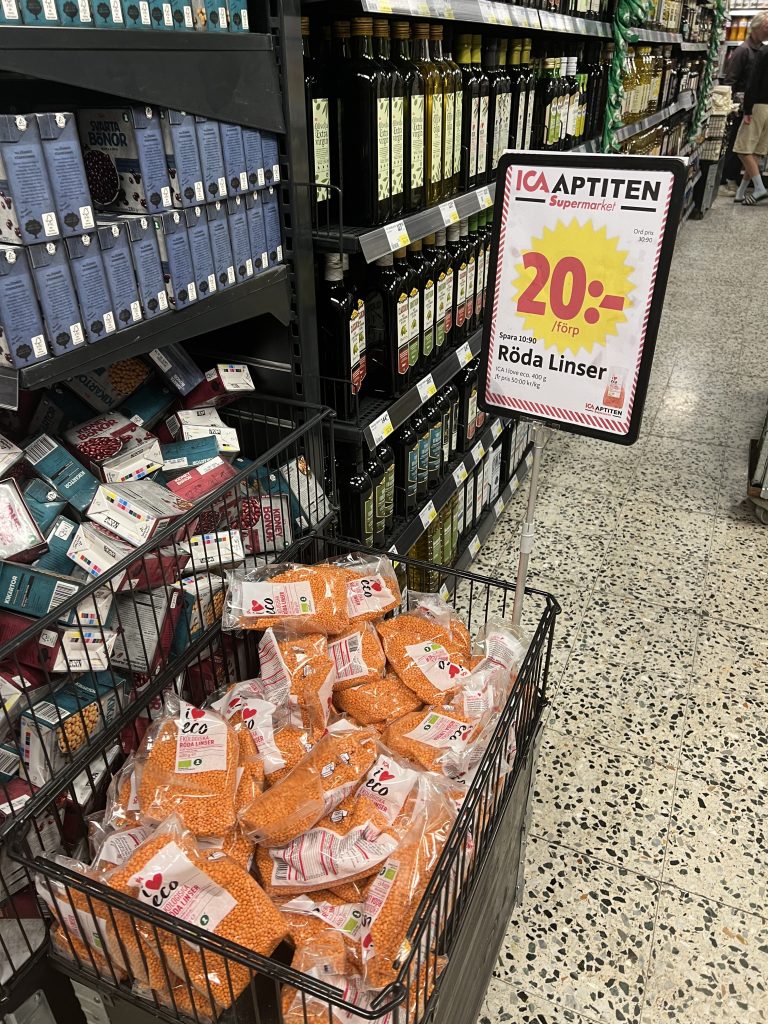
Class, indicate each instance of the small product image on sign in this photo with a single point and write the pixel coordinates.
(582, 249)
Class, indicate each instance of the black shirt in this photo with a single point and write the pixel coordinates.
(741, 63)
(757, 86)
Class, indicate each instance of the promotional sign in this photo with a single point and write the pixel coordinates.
(581, 254)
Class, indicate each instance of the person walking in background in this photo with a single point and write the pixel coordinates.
(737, 72)
(751, 143)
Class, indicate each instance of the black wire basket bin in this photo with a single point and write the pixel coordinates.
(385, 940)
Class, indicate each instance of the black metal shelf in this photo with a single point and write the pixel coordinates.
(230, 76)
(267, 293)
(685, 101)
(691, 47)
(380, 417)
(484, 12)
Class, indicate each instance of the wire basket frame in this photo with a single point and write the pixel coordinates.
(90, 674)
(182, 948)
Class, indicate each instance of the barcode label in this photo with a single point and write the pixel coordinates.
(9, 762)
(39, 449)
(61, 592)
(48, 712)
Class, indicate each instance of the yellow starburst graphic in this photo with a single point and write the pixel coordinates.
(573, 286)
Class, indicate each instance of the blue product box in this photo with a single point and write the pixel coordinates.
(271, 207)
(182, 156)
(9, 12)
(107, 14)
(176, 259)
(271, 156)
(223, 261)
(181, 372)
(214, 14)
(255, 214)
(57, 411)
(26, 198)
(237, 220)
(183, 15)
(59, 540)
(200, 247)
(39, 12)
(234, 158)
(138, 14)
(22, 335)
(238, 15)
(44, 503)
(56, 294)
(145, 253)
(211, 158)
(254, 158)
(125, 158)
(91, 287)
(121, 277)
(181, 456)
(75, 13)
(148, 404)
(66, 171)
(54, 463)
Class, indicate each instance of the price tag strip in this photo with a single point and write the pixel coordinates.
(428, 514)
(478, 452)
(381, 428)
(464, 354)
(426, 388)
(474, 546)
(449, 213)
(397, 235)
(579, 266)
(460, 474)
(484, 197)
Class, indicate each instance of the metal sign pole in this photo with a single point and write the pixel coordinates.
(529, 526)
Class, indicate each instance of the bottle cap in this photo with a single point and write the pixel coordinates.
(333, 266)
(401, 30)
(421, 30)
(435, 31)
(380, 28)
(385, 260)
(305, 26)
(341, 29)
(453, 233)
(362, 26)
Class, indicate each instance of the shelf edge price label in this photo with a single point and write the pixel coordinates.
(502, 13)
(397, 235)
(460, 474)
(487, 12)
(449, 213)
(428, 514)
(474, 546)
(484, 197)
(381, 427)
(392, 550)
(513, 485)
(426, 388)
(478, 452)
(464, 352)
(496, 429)
(499, 507)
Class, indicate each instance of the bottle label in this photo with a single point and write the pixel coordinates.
(480, 280)
(414, 318)
(482, 135)
(389, 506)
(469, 304)
(397, 145)
(423, 464)
(506, 116)
(446, 432)
(472, 413)
(448, 168)
(461, 295)
(573, 116)
(440, 300)
(454, 424)
(383, 147)
(321, 146)
(368, 520)
(413, 469)
(436, 161)
(417, 141)
(402, 334)
(357, 345)
(380, 507)
(473, 130)
(448, 321)
(458, 113)
(496, 131)
(429, 304)
(520, 128)
(528, 121)
(435, 449)
(549, 123)
(485, 271)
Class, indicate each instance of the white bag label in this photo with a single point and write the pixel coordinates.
(274, 674)
(321, 855)
(259, 719)
(347, 656)
(504, 650)
(119, 846)
(170, 882)
(348, 918)
(268, 599)
(387, 785)
(440, 731)
(368, 594)
(82, 925)
(435, 663)
(201, 742)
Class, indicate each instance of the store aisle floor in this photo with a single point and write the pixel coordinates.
(645, 892)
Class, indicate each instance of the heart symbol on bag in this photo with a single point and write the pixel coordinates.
(386, 776)
(154, 882)
(376, 586)
(248, 713)
(197, 713)
(453, 670)
(256, 606)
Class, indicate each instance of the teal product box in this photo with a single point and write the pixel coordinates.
(124, 158)
(271, 207)
(254, 158)
(223, 261)
(22, 334)
(59, 539)
(200, 247)
(27, 206)
(255, 214)
(91, 287)
(107, 14)
(39, 12)
(240, 240)
(137, 14)
(107, 386)
(64, 161)
(181, 372)
(145, 253)
(271, 157)
(75, 13)
(121, 277)
(238, 15)
(58, 410)
(183, 15)
(180, 456)
(56, 294)
(31, 591)
(9, 12)
(44, 503)
(182, 156)
(211, 158)
(176, 259)
(234, 158)
(62, 471)
(10, 758)
(91, 685)
(216, 17)
(148, 404)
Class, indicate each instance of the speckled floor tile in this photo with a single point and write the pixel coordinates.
(709, 964)
(730, 657)
(726, 738)
(687, 414)
(560, 553)
(678, 474)
(606, 804)
(717, 844)
(644, 576)
(584, 464)
(507, 1005)
(626, 708)
(732, 502)
(667, 531)
(742, 545)
(589, 511)
(734, 597)
(581, 938)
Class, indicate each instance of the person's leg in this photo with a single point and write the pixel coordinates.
(752, 168)
(758, 135)
(749, 164)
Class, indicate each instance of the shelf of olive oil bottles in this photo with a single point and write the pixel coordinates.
(685, 101)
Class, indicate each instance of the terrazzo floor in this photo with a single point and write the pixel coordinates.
(646, 891)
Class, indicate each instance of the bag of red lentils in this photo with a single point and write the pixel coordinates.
(372, 587)
(382, 700)
(358, 657)
(122, 804)
(502, 645)
(187, 764)
(305, 598)
(297, 670)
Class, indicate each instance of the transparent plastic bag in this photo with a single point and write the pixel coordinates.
(297, 670)
(305, 598)
(187, 764)
(327, 917)
(111, 847)
(372, 587)
(318, 784)
(382, 700)
(503, 645)
(122, 805)
(358, 657)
